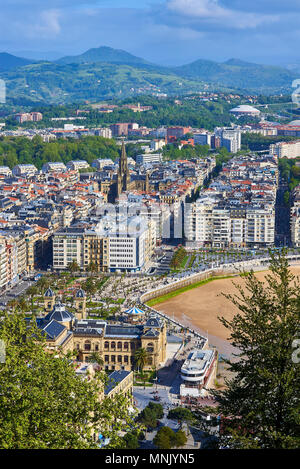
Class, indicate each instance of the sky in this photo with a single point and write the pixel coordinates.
(167, 32)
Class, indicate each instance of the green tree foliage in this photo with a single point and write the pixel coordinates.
(140, 358)
(178, 258)
(131, 441)
(166, 438)
(181, 414)
(289, 172)
(151, 414)
(258, 142)
(44, 404)
(261, 404)
(22, 150)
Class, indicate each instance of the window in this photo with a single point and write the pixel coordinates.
(119, 358)
(113, 359)
(126, 345)
(120, 345)
(106, 345)
(150, 347)
(87, 345)
(113, 345)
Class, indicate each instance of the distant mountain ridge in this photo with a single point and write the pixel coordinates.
(103, 54)
(11, 62)
(239, 74)
(104, 72)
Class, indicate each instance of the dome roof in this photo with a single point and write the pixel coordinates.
(80, 293)
(296, 122)
(60, 314)
(49, 293)
(245, 108)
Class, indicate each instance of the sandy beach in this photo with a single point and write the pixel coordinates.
(199, 308)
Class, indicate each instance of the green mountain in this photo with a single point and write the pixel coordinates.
(105, 73)
(55, 83)
(10, 62)
(239, 74)
(103, 54)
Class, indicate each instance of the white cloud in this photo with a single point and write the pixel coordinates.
(48, 22)
(211, 11)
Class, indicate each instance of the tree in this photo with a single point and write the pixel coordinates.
(73, 267)
(44, 404)
(92, 267)
(140, 358)
(260, 406)
(151, 414)
(166, 438)
(180, 439)
(131, 441)
(32, 292)
(95, 357)
(181, 414)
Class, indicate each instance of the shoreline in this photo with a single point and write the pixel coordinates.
(199, 308)
(223, 346)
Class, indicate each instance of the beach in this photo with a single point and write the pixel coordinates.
(200, 307)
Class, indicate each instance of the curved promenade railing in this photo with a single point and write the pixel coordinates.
(235, 268)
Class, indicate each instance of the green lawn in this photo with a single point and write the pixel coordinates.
(174, 293)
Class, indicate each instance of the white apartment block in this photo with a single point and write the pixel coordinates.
(54, 166)
(202, 138)
(3, 267)
(77, 165)
(149, 158)
(68, 247)
(295, 226)
(105, 132)
(207, 224)
(231, 138)
(260, 226)
(285, 149)
(101, 163)
(24, 170)
(5, 171)
(128, 248)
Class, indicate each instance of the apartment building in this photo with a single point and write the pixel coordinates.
(149, 158)
(286, 149)
(295, 217)
(3, 267)
(26, 170)
(110, 247)
(105, 132)
(238, 208)
(77, 165)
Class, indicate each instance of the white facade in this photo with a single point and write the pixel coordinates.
(77, 165)
(24, 170)
(53, 166)
(149, 158)
(286, 149)
(105, 133)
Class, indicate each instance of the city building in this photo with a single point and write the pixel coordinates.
(286, 149)
(198, 373)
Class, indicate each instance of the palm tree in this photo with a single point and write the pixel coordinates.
(73, 267)
(22, 305)
(95, 357)
(32, 292)
(140, 357)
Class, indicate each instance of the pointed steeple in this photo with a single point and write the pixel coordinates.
(123, 173)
